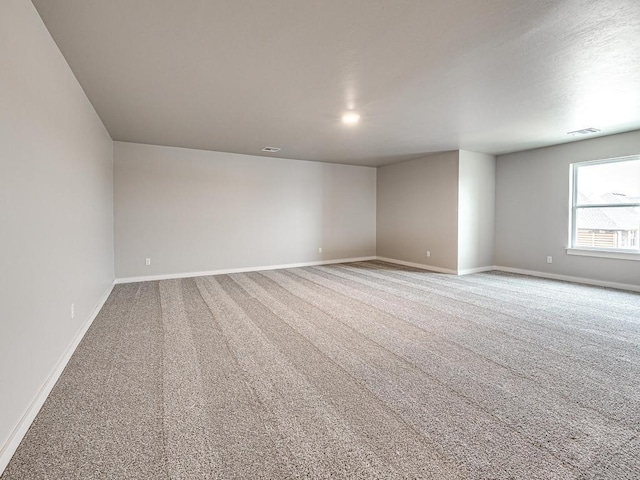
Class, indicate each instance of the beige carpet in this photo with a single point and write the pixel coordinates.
(364, 370)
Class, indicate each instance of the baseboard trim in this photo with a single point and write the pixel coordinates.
(171, 276)
(470, 271)
(417, 265)
(18, 433)
(568, 278)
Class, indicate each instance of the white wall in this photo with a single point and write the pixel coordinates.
(417, 211)
(532, 212)
(476, 210)
(56, 227)
(194, 210)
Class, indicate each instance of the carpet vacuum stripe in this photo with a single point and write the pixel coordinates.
(358, 371)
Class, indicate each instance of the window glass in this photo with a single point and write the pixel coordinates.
(606, 205)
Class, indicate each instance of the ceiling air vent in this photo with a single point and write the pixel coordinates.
(584, 131)
(271, 149)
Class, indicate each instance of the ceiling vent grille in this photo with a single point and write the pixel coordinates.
(584, 131)
(271, 149)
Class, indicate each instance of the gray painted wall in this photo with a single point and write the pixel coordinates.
(532, 214)
(476, 210)
(56, 178)
(194, 210)
(417, 210)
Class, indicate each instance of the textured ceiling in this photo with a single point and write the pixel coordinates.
(493, 76)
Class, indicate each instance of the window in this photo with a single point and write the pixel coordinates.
(605, 207)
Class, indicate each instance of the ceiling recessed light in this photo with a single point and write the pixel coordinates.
(271, 149)
(584, 131)
(350, 118)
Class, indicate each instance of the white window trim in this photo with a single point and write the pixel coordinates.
(597, 252)
(586, 251)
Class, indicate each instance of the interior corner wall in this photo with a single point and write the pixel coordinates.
(56, 205)
(532, 210)
(417, 211)
(476, 210)
(197, 211)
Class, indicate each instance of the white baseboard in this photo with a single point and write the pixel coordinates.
(18, 433)
(466, 271)
(417, 265)
(171, 276)
(552, 276)
(568, 278)
(469, 271)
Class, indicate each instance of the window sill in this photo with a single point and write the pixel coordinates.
(603, 254)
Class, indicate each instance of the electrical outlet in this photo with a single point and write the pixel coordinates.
(428, 253)
(73, 310)
(549, 259)
(320, 250)
(147, 262)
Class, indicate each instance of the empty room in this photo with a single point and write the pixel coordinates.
(320, 239)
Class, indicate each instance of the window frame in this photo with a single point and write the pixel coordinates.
(572, 249)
